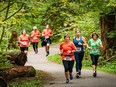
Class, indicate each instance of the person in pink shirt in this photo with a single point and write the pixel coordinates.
(24, 40)
(47, 33)
(35, 38)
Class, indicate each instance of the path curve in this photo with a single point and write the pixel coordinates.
(40, 62)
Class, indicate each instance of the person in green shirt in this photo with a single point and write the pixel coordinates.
(94, 44)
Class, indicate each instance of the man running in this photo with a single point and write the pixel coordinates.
(47, 33)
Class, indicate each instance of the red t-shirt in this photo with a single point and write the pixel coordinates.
(24, 40)
(47, 33)
(67, 46)
(35, 36)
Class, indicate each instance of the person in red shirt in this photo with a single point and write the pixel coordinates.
(67, 50)
(24, 40)
(35, 35)
(47, 33)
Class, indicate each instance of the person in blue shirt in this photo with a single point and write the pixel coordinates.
(79, 41)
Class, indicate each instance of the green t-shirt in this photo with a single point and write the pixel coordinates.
(95, 49)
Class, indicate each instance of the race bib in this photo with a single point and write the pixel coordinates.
(46, 36)
(79, 43)
(68, 58)
(95, 50)
(24, 43)
(78, 48)
(35, 38)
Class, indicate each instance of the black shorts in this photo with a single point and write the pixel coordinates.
(68, 65)
(46, 41)
(24, 48)
(94, 59)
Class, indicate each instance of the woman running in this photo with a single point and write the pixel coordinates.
(79, 42)
(35, 35)
(67, 50)
(94, 44)
(24, 40)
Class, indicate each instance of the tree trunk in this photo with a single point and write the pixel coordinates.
(13, 41)
(19, 71)
(108, 24)
(18, 58)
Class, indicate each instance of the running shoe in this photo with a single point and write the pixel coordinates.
(36, 51)
(67, 81)
(77, 75)
(71, 77)
(79, 72)
(95, 74)
(47, 53)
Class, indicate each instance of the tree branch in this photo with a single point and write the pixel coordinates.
(14, 13)
(2, 34)
(6, 7)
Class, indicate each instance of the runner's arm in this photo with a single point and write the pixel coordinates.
(39, 34)
(43, 33)
(51, 33)
(84, 40)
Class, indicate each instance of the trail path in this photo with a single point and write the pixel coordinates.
(40, 62)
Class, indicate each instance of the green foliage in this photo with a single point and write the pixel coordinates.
(26, 83)
(60, 14)
(4, 62)
(112, 34)
(56, 58)
(108, 67)
(4, 44)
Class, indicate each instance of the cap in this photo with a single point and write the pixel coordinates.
(35, 27)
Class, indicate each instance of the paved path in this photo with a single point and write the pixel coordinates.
(40, 62)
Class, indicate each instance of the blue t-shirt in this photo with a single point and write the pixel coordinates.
(77, 42)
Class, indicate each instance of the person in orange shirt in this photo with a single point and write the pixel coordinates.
(24, 40)
(35, 35)
(67, 50)
(47, 33)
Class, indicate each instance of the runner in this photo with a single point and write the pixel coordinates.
(35, 35)
(47, 33)
(24, 42)
(67, 50)
(79, 42)
(94, 45)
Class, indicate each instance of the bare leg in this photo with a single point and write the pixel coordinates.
(94, 67)
(47, 49)
(94, 70)
(26, 53)
(67, 77)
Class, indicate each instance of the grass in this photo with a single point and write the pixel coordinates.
(27, 83)
(107, 67)
(37, 81)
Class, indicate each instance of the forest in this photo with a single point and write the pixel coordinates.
(63, 16)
